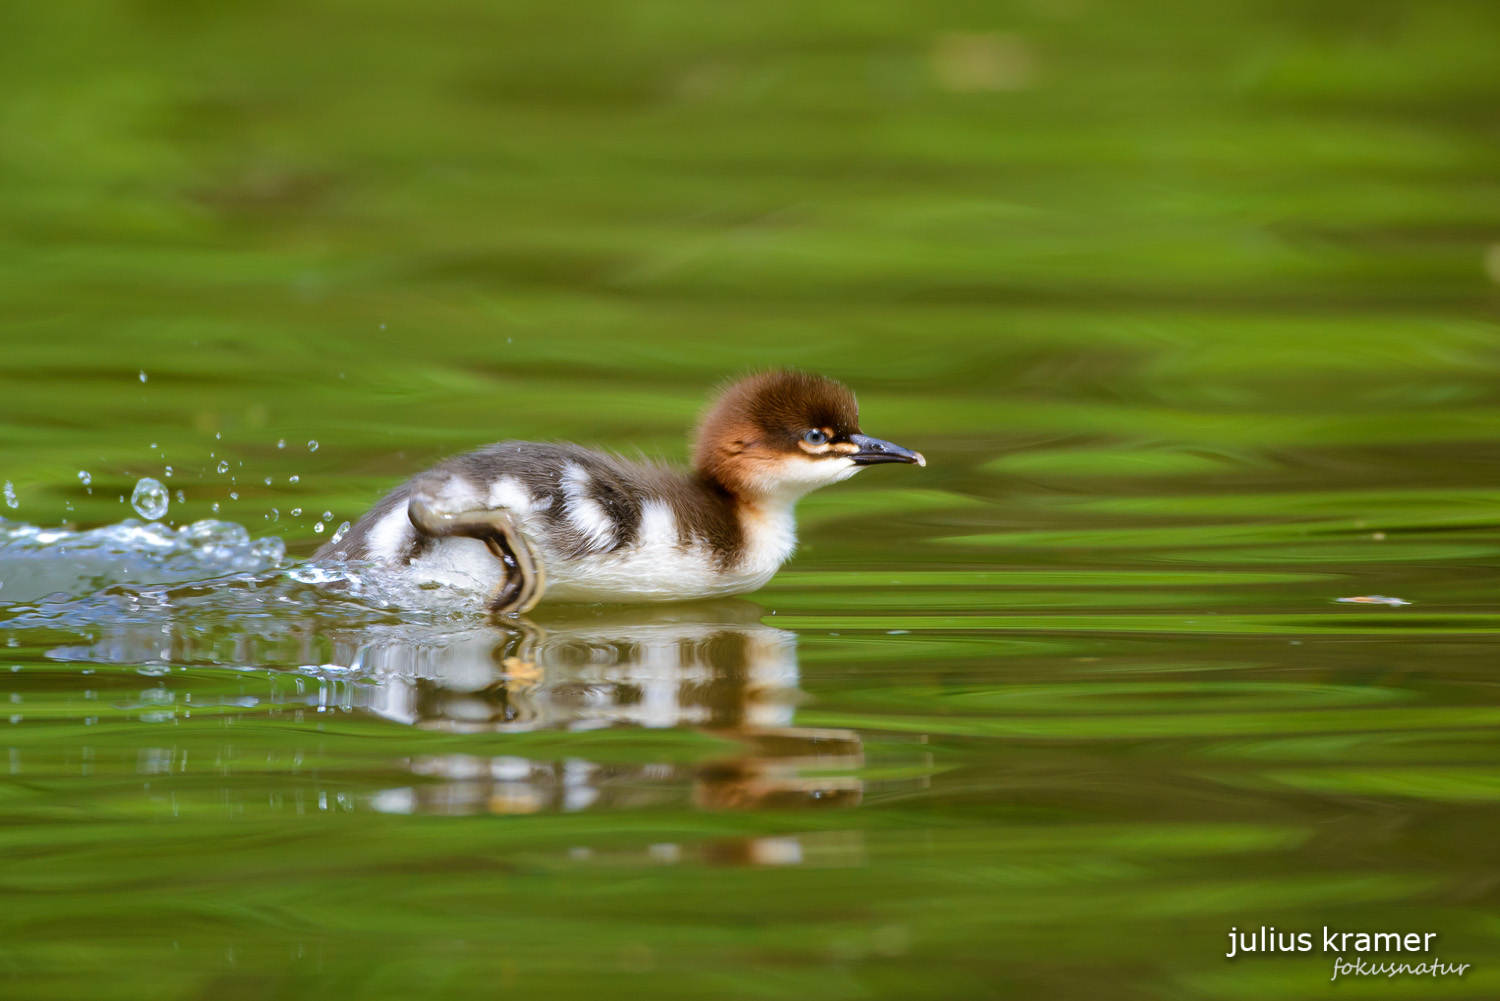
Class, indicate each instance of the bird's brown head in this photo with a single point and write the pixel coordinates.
(784, 433)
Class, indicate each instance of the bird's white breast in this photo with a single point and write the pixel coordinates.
(658, 566)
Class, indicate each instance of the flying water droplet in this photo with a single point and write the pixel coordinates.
(340, 533)
(143, 375)
(312, 446)
(223, 466)
(234, 495)
(169, 472)
(318, 528)
(327, 515)
(281, 443)
(85, 478)
(10, 495)
(293, 478)
(296, 511)
(268, 481)
(149, 499)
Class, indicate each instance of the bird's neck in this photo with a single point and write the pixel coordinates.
(766, 521)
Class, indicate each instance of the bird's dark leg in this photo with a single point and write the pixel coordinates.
(524, 578)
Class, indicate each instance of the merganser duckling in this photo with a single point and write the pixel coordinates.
(522, 520)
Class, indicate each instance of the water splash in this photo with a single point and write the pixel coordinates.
(37, 562)
(150, 499)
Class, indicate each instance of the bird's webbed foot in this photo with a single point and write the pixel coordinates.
(523, 579)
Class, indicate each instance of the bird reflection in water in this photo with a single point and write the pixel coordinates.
(712, 666)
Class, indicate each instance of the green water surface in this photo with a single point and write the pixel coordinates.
(1191, 307)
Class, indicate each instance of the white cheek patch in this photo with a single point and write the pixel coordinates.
(583, 511)
(794, 476)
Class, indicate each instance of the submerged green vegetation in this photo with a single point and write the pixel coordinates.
(1190, 307)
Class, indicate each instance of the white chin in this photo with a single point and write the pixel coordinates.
(795, 477)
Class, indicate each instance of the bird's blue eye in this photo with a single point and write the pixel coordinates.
(815, 437)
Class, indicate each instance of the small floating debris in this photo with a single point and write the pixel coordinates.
(149, 499)
(1372, 599)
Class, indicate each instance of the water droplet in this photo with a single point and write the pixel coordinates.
(327, 515)
(153, 445)
(312, 446)
(233, 495)
(85, 478)
(149, 499)
(293, 478)
(318, 528)
(181, 497)
(223, 466)
(340, 533)
(169, 472)
(10, 495)
(218, 435)
(268, 481)
(296, 511)
(281, 443)
(216, 507)
(143, 376)
(275, 515)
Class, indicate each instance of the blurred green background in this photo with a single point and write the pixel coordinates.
(1192, 308)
